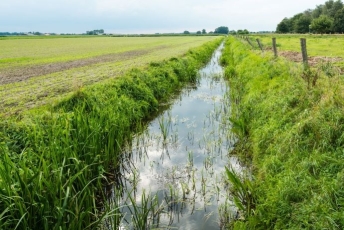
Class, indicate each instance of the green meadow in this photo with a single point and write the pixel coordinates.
(317, 45)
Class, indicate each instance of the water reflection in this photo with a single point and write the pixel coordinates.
(175, 166)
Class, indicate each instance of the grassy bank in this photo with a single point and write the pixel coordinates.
(56, 159)
(293, 134)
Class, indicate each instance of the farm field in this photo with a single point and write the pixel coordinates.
(319, 47)
(35, 72)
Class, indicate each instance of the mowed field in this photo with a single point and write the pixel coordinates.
(35, 72)
(319, 47)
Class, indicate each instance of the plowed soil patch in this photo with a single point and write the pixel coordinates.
(297, 57)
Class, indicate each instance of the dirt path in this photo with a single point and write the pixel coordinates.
(24, 73)
(313, 61)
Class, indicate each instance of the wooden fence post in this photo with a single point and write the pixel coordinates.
(248, 40)
(274, 46)
(260, 44)
(304, 52)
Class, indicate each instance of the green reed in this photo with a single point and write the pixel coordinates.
(142, 214)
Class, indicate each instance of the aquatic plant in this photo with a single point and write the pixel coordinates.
(142, 213)
(165, 127)
(241, 189)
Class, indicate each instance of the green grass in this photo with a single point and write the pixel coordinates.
(23, 52)
(39, 90)
(293, 136)
(16, 37)
(317, 45)
(57, 159)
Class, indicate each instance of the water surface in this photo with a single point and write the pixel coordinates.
(178, 161)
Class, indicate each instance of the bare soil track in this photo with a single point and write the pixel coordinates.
(313, 61)
(23, 73)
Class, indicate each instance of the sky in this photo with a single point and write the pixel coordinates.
(149, 16)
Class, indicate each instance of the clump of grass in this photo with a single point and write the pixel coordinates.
(328, 68)
(242, 192)
(143, 214)
(310, 76)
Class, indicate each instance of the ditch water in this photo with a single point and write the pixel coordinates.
(173, 178)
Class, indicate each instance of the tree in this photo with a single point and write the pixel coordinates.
(302, 24)
(338, 22)
(308, 13)
(283, 26)
(332, 7)
(232, 32)
(204, 31)
(95, 32)
(245, 31)
(337, 6)
(186, 32)
(322, 25)
(317, 11)
(198, 32)
(293, 21)
(221, 30)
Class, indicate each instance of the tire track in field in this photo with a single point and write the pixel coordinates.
(23, 73)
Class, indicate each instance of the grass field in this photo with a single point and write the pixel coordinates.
(35, 72)
(317, 45)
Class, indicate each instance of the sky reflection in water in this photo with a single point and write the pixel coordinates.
(182, 154)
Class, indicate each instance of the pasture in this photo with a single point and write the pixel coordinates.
(319, 47)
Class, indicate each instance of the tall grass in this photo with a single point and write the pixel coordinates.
(293, 135)
(57, 160)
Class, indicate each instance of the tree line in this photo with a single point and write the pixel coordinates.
(218, 30)
(95, 32)
(11, 34)
(325, 18)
